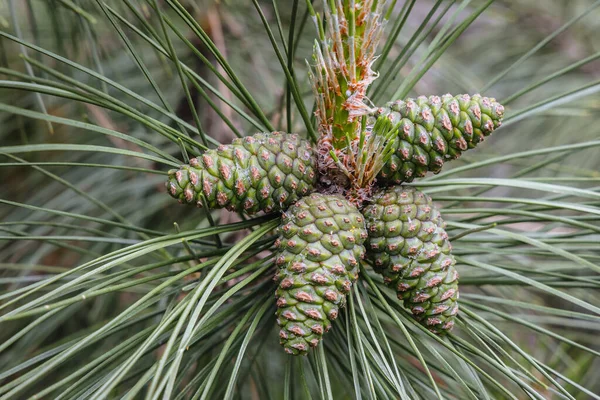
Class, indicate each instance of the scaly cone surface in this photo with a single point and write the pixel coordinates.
(408, 245)
(340, 77)
(432, 130)
(265, 172)
(319, 251)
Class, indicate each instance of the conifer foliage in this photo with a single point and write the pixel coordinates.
(360, 148)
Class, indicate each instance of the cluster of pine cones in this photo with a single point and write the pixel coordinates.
(324, 237)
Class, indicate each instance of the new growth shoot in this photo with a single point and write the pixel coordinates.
(343, 55)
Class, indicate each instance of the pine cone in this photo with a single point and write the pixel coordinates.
(435, 129)
(408, 245)
(265, 172)
(320, 247)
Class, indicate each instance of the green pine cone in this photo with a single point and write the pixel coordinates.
(435, 129)
(264, 172)
(408, 245)
(319, 251)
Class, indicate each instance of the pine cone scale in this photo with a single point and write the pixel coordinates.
(320, 246)
(265, 172)
(408, 245)
(435, 129)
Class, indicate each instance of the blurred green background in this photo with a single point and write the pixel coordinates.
(81, 77)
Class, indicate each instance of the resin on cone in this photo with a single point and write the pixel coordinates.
(319, 251)
(432, 130)
(264, 172)
(408, 245)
